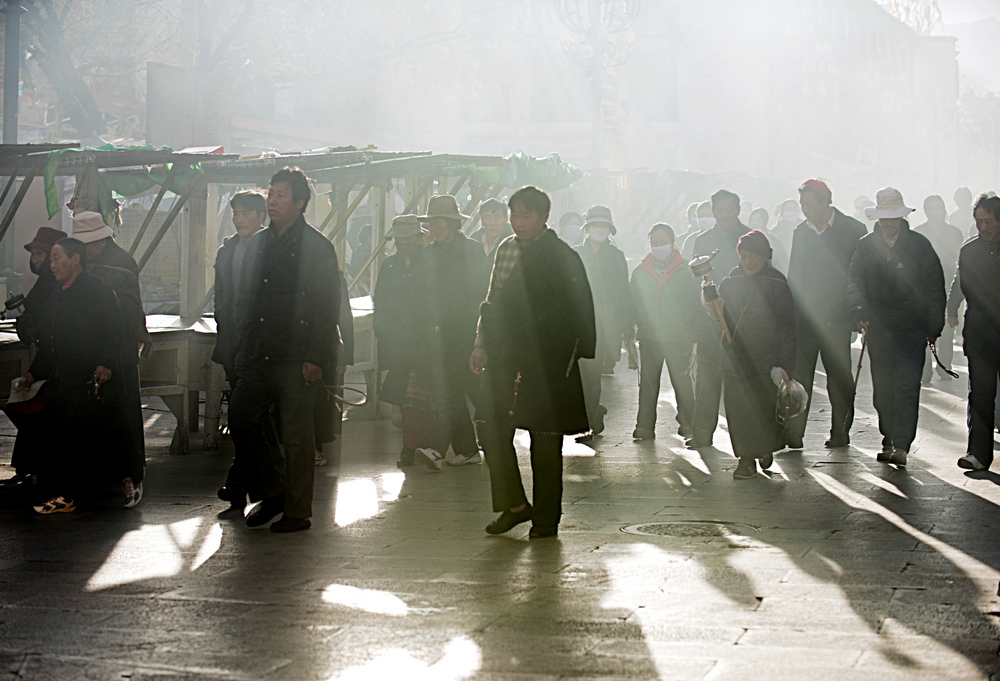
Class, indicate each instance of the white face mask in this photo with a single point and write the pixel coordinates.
(661, 252)
(599, 234)
(790, 216)
(706, 223)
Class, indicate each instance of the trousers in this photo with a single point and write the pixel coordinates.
(453, 423)
(708, 382)
(505, 477)
(897, 360)
(652, 356)
(984, 369)
(833, 347)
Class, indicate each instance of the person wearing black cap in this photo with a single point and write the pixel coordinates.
(39, 247)
(757, 306)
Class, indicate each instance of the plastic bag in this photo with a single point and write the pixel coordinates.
(792, 400)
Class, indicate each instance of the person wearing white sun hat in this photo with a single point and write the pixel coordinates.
(896, 293)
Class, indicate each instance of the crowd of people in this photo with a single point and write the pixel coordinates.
(513, 327)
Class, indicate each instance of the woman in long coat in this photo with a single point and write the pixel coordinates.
(757, 305)
(79, 356)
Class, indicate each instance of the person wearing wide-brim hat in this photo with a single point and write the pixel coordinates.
(400, 323)
(607, 273)
(457, 277)
(896, 293)
(39, 247)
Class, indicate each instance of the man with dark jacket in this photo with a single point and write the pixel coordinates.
(110, 262)
(723, 237)
(607, 273)
(947, 240)
(457, 277)
(822, 248)
(496, 227)
(287, 336)
(977, 281)
(400, 324)
(665, 301)
(39, 247)
(536, 323)
(895, 291)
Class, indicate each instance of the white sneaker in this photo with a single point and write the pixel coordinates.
(431, 457)
(133, 493)
(320, 458)
(461, 460)
(970, 462)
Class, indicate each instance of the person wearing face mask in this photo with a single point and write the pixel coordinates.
(788, 219)
(570, 228)
(947, 241)
(758, 220)
(705, 222)
(723, 237)
(757, 305)
(895, 291)
(607, 273)
(665, 301)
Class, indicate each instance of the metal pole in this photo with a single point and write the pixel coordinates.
(11, 68)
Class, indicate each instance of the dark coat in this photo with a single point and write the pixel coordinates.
(664, 310)
(108, 265)
(457, 275)
(607, 273)
(722, 264)
(977, 281)
(901, 288)
(480, 233)
(400, 322)
(26, 323)
(226, 293)
(293, 296)
(761, 318)
(539, 323)
(817, 272)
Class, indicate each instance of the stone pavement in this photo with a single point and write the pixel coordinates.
(832, 567)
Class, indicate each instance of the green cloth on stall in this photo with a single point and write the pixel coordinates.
(549, 173)
(49, 177)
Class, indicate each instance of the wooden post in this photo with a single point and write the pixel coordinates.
(193, 266)
(152, 211)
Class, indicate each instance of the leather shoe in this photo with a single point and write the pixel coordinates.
(837, 441)
(232, 494)
(543, 531)
(697, 442)
(290, 524)
(266, 511)
(508, 520)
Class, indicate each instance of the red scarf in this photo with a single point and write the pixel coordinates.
(675, 264)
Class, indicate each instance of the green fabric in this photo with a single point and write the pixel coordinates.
(49, 177)
(548, 173)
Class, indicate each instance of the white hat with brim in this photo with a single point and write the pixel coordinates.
(888, 204)
(21, 396)
(404, 226)
(599, 216)
(88, 227)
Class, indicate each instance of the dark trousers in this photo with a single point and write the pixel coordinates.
(897, 360)
(505, 476)
(652, 356)
(984, 368)
(262, 386)
(133, 437)
(750, 406)
(453, 424)
(708, 382)
(833, 347)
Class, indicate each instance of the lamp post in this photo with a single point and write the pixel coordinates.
(596, 23)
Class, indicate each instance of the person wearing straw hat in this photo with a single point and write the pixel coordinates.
(607, 273)
(110, 262)
(399, 322)
(457, 277)
(895, 292)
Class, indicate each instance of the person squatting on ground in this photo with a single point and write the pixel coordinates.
(289, 328)
(723, 237)
(977, 281)
(607, 272)
(249, 215)
(822, 248)
(108, 261)
(81, 334)
(665, 301)
(757, 306)
(895, 292)
(535, 325)
(400, 323)
(457, 274)
(947, 241)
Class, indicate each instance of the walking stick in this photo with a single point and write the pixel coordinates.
(857, 376)
(942, 367)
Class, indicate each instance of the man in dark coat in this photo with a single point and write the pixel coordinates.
(457, 275)
(496, 227)
(110, 262)
(895, 291)
(289, 327)
(822, 248)
(947, 240)
(723, 237)
(607, 273)
(977, 281)
(400, 327)
(536, 323)
(249, 214)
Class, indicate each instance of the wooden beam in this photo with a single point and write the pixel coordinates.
(6, 189)
(18, 198)
(171, 216)
(461, 183)
(492, 195)
(333, 204)
(417, 195)
(342, 221)
(152, 211)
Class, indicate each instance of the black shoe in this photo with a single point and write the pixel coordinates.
(508, 520)
(543, 531)
(766, 461)
(794, 444)
(266, 511)
(290, 524)
(685, 431)
(838, 441)
(233, 495)
(746, 469)
(697, 442)
(405, 458)
(643, 434)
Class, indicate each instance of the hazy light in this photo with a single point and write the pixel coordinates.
(462, 658)
(369, 600)
(356, 500)
(392, 483)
